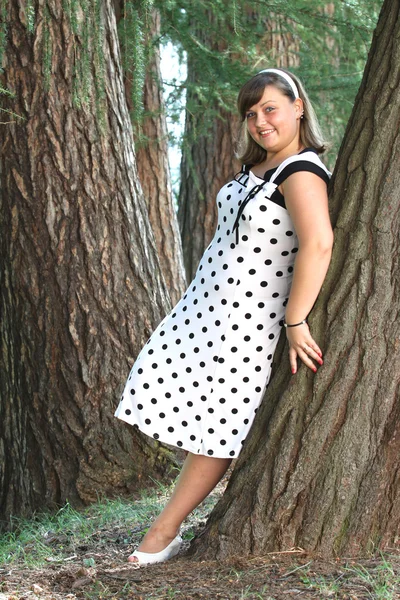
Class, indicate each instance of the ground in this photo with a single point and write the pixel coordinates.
(273, 577)
(93, 566)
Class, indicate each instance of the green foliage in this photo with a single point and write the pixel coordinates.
(47, 49)
(99, 63)
(3, 30)
(86, 22)
(30, 16)
(226, 43)
(134, 36)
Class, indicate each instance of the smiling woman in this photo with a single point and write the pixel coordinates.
(198, 382)
(278, 96)
(273, 123)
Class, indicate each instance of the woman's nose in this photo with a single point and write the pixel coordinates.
(260, 119)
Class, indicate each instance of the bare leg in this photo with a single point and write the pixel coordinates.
(199, 475)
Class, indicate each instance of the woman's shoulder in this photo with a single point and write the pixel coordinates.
(307, 160)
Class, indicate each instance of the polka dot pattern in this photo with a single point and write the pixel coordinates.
(199, 379)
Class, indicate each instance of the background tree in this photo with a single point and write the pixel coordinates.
(80, 283)
(139, 32)
(207, 153)
(320, 469)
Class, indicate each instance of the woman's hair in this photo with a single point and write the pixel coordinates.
(249, 152)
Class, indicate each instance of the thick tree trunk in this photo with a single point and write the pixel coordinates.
(320, 469)
(151, 141)
(80, 282)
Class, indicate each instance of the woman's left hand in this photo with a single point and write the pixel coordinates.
(302, 345)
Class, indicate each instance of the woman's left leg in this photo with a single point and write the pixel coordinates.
(199, 475)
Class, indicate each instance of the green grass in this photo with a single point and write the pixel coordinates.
(377, 582)
(54, 536)
(380, 580)
(50, 536)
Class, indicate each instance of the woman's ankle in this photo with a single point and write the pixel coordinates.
(163, 531)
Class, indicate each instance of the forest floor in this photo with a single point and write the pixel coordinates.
(82, 555)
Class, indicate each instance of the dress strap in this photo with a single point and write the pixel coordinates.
(278, 176)
(276, 179)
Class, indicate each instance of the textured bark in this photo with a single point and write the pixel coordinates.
(151, 140)
(80, 283)
(208, 160)
(154, 175)
(320, 469)
(279, 44)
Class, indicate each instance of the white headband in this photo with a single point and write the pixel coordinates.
(286, 77)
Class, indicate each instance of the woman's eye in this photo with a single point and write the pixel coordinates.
(269, 109)
(250, 114)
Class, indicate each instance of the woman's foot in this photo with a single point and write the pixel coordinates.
(140, 558)
(156, 541)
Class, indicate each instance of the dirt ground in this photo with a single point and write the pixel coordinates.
(100, 571)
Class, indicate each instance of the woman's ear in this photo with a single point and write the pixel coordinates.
(299, 107)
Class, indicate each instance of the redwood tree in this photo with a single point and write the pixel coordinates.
(207, 163)
(320, 469)
(80, 282)
(151, 140)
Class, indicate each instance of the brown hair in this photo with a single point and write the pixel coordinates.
(249, 152)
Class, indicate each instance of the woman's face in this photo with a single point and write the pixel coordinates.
(274, 122)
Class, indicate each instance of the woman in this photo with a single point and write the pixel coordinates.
(198, 381)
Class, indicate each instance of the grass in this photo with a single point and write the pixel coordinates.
(32, 542)
(48, 536)
(378, 581)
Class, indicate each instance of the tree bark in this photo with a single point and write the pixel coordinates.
(320, 469)
(280, 46)
(151, 141)
(80, 282)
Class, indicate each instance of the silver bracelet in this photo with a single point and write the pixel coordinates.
(294, 324)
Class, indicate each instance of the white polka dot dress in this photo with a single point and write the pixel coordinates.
(198, 381)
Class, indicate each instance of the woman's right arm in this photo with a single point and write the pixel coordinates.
(307, 203)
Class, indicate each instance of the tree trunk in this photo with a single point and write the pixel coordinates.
(207, 164)
(320, 469)
(280, 46)
(80, 283)
(151, 141)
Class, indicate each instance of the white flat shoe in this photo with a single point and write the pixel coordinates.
(147, 558)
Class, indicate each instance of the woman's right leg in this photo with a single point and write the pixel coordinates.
(199, 475)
